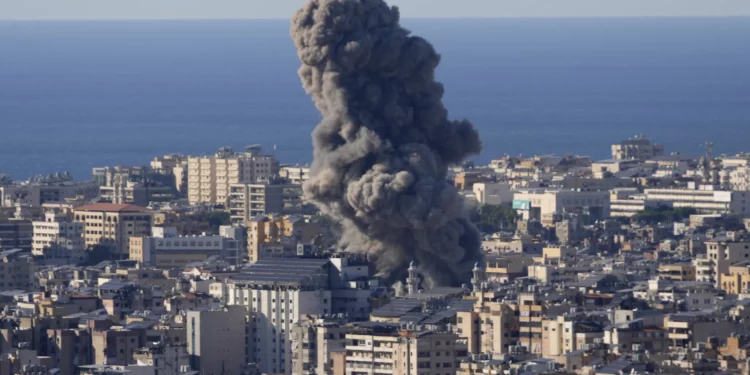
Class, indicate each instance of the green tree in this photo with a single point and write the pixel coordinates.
(216, 219)
(664, 214)
(492, 218)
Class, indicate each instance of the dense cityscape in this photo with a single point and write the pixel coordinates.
(390, 253)
(218, 265)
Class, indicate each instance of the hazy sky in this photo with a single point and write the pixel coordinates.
(200, 9)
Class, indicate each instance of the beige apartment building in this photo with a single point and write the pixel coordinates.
(315, 345)
(737, 280)
(267, 235)
(210, 177)
(405, 352)
(722, 252)
(112, 225)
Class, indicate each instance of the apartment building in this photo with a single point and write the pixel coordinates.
(250, 200)
(69, 348)
(16, 234)
(387, 349)
(705, 199)
(314, 347)
(113, 225)
(57, 231)
(278, 293)
(491, 328)
(210, 177)
(116, 345)
(278, 236)
(17, 271)
(638, 147)
(737, 279)
(164, 248)
(687, 329)
(216, 339)
(175, 166)
(722, 252)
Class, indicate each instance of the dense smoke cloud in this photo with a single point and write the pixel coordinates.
(384, 143)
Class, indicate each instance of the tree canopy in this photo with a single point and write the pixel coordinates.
(663, 214)
(493, 218)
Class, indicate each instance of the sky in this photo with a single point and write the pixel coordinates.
(220, 9)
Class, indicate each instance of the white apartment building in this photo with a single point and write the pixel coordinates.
(57, 231)
(210, 177)
(543, 204)
(278, 293)
(704, 270)
(250, 200)
(494, 193)
(639, 147)
(705, 199)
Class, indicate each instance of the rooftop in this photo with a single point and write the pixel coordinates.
(113, 207)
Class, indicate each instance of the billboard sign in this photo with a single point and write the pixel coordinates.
(520, 204)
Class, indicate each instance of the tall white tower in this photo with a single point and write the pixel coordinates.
(478, 279)
(412, 282)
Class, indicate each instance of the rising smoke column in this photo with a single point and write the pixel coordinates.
(382, 148)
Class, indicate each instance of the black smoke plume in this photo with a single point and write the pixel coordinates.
(384, 143)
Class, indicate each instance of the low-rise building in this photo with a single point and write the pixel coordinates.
(166, 249)
(704, 199)
(544, 204)
(677, 272)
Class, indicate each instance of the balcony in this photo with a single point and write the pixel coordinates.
(679, 336)
(359, 359)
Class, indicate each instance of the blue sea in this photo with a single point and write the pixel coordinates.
(75, 95)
